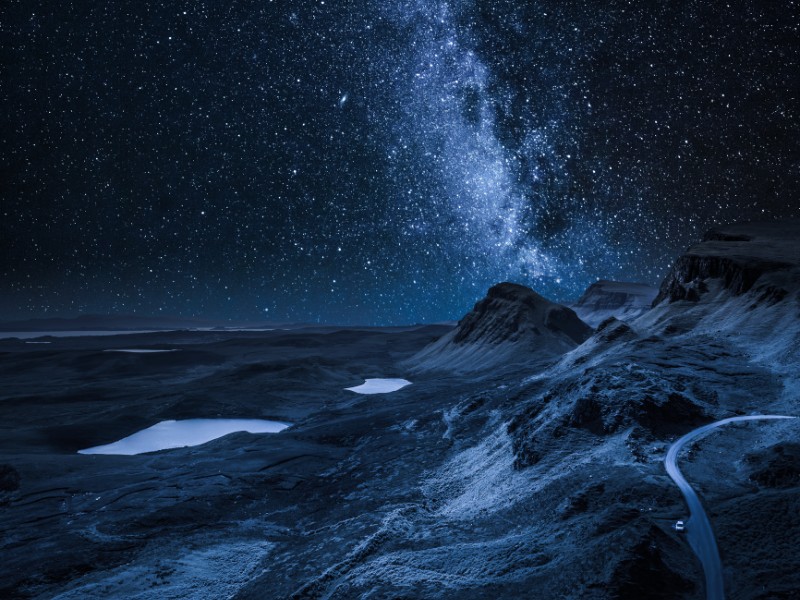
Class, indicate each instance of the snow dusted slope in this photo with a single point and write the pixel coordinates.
(511, 324)
(743, 282)
(619, 299)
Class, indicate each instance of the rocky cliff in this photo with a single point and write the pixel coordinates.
(741, 257)
(619, 299)
(510, 325)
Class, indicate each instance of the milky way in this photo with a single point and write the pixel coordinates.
(378, 162)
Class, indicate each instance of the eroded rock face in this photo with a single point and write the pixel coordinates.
(622, 300)
(740, 256)
(511, 312)
(511, 324)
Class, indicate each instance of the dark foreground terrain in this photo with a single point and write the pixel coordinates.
(540, 477)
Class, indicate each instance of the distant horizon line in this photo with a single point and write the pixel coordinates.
(181, 322)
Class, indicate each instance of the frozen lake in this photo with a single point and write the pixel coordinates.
(379, 386)
(179, 434)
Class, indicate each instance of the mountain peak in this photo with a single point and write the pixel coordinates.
(511, 324)
(515, 292)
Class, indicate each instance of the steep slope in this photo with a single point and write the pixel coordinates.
(512, 324)
(744, 256)
(619, 299)
(742, 282)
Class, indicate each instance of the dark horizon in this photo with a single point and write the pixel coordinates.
(211, 320)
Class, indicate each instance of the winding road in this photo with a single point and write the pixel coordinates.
(698, 527)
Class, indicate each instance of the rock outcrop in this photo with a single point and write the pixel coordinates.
(741, 282)
(512, 324)
(619, 299)
(743, 257)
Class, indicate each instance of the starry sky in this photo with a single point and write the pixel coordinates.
(378, 161)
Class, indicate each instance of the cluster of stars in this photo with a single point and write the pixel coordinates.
(379, 162)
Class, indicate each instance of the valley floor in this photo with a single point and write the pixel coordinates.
(536, 480)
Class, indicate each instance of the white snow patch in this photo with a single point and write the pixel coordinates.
(179, 434)
(379, 386)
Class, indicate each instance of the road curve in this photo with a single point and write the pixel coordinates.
(698, 527)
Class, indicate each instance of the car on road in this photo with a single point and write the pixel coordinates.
(680, 526)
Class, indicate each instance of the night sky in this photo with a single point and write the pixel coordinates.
(378, 161)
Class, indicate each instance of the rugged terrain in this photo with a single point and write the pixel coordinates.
(512, 325)
(622, 300)
(541, 476)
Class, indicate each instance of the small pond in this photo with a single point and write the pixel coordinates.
(178, 434)
(379, 386)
